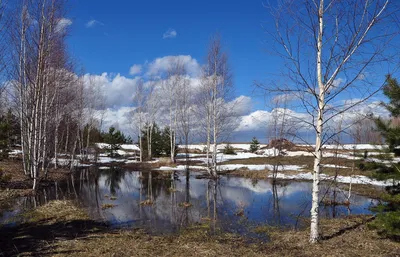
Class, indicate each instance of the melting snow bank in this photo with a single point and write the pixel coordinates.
(236, 166)
(181, 168)
(334, 166)
(357, 179)
(259, 167)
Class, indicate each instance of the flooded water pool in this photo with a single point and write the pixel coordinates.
(163, 203)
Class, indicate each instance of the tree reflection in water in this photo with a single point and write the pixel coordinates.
(180, 200)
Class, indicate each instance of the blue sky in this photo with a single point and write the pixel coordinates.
(108, 38)
(131, 32)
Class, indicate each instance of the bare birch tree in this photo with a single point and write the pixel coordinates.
(330, 49)
(39, 64)
(175, 77)
(152, 107)
(217, 91)
(138, 114)
(185, 114)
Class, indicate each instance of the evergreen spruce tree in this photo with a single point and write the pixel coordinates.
(389, 131)
(160, 143)
(254, 145)
(387, 221)
(9, 133)
(114, 138)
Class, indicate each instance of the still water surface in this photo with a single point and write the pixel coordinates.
(231, 204)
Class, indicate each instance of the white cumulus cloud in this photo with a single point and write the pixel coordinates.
(62, 24)
(170, 33)
(135, 69)
(162, 64)
(92, 23)
(118, 90)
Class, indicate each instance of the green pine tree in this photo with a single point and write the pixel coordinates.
(387, 221)
(114, 138)
(390, 132)
(254, 145)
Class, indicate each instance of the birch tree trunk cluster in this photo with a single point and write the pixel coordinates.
(188, 110)
(49, 96)
(217, 89)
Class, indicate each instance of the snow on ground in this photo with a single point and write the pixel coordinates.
(201, 147)
(67, 162)
(356, 147)
(239, 155)
(260, 167)
(226, 157)
(181, 168)
(268, 152)
(15, 152)
(341, 179)
(334, 166)
(340, 155)
(131, 161)
(109, 159)
(131, 147)
(298, 153)
(356, 179)
(352, 147)
(183, 155)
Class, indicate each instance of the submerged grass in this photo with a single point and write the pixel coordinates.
(56, 211)
(185, 205)
(147, 202)
(108, 206)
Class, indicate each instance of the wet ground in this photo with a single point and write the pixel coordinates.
(163, 203)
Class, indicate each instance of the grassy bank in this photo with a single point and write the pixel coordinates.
(62, 229)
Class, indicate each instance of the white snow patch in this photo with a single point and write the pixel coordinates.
(131, 161)
(356, 147)
(298, 153)
(356, 179)
(15, 152)
(109, 159)
(269, 152)
(334, 166)
(181, 168)
(131, 147)
(201, 147)
(260, 167)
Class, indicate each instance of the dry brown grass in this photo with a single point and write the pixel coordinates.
(15, 170)
(147, 202)
(185, 205)
(341, 237)
(253, 174)
(108, 206)
(365, 190)
(8, 194)
(56, 211)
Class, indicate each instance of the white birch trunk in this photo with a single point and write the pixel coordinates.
(314, 229)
